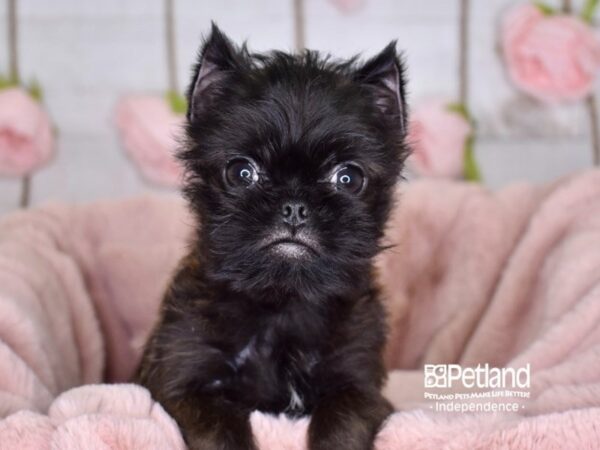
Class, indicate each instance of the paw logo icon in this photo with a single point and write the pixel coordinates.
(435, 376)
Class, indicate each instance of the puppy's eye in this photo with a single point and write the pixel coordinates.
(349, 178)
(241, 172)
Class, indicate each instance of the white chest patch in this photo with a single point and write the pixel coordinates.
(245, 353)
(296, 402)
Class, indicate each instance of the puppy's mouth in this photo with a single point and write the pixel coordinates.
(293, 246)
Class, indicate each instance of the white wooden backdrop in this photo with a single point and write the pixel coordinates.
(88, 53)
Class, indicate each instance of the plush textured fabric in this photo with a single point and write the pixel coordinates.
(508, 278)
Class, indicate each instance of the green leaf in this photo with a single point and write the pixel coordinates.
(7, 82)
(460, 108)
(471, 168)
(35, 90)
(177, 102)
(587, 14)
(546, 9)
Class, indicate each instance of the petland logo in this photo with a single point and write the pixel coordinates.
(477, 389)
(481, 377)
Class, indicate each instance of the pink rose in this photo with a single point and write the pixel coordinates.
(438, 139)
(26, 139)
(348, 6)
(553, 57)
(149, 129)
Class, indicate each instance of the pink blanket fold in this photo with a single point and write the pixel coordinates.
(507, 278)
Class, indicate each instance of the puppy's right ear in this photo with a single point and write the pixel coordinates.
(217, 61)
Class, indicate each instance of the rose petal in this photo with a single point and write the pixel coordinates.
(26, 138)
(437, 137)
(552, 58)
(149, 128)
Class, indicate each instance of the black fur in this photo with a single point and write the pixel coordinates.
(248, 324)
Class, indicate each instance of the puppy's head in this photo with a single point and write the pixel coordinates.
(291, 163)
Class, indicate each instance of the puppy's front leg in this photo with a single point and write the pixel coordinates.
(348, 419)
(211, 424)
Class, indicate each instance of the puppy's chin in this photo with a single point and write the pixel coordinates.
(291, 251)
(291, 247)
(312, 262)
(287, 269)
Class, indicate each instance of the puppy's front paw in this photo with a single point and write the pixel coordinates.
(214, 443)
(355, 437)
(336, 444)
(350, 421)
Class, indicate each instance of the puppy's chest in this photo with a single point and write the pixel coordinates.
(271, 373)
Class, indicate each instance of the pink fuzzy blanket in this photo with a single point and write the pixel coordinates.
(508, 278)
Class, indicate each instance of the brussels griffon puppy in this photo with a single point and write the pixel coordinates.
(291, 162)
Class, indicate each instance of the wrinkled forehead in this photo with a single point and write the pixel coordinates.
(289, 127)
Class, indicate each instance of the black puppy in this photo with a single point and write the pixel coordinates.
(291, 162)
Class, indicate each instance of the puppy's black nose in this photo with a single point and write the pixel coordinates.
(294, 213)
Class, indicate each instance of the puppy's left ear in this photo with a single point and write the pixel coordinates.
(383, 76)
